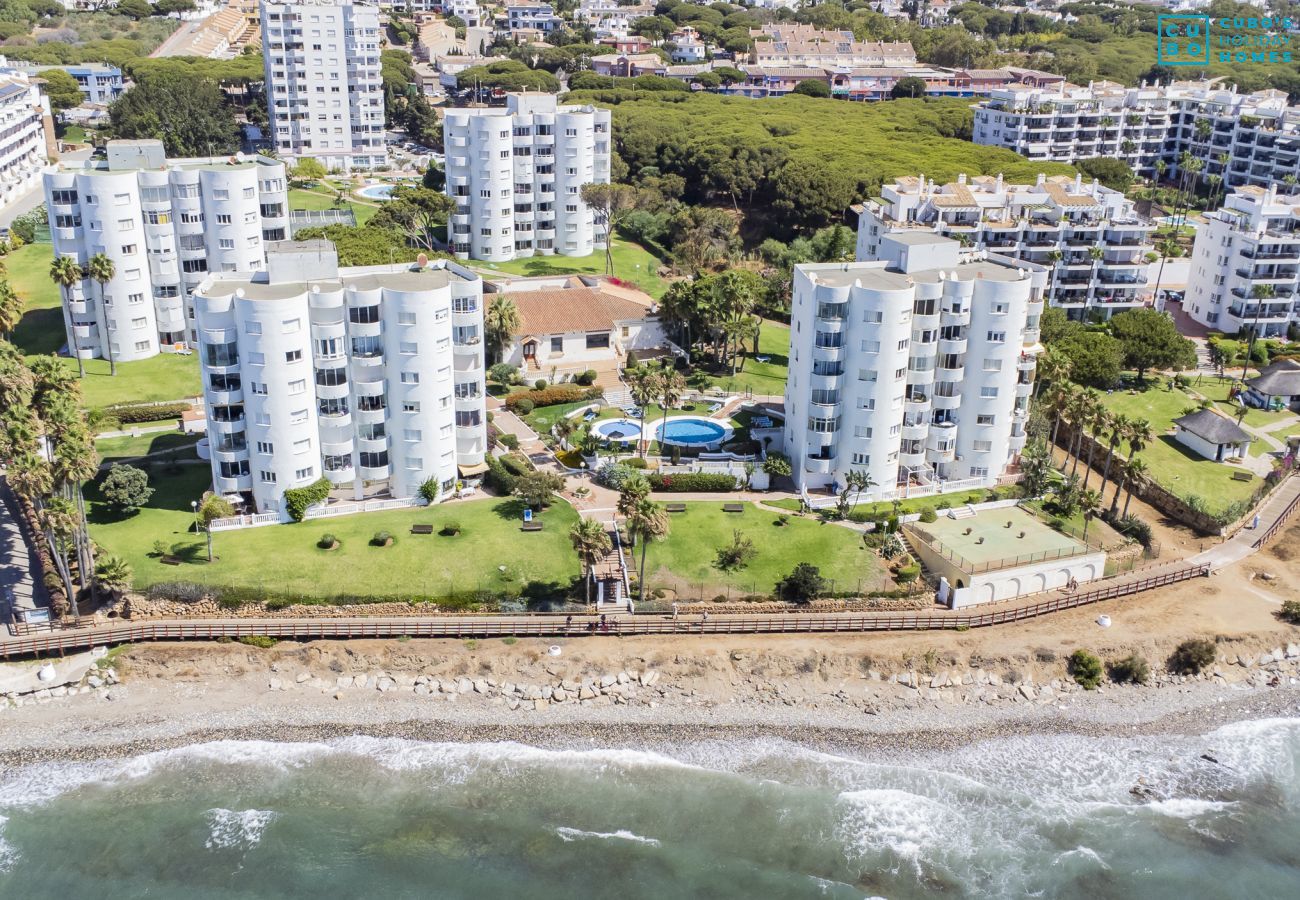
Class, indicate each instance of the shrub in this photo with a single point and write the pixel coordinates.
(586, 378)
(1133, 527)
(429, 490)
(1191, 656)
(516, 465)
(261, 641)
(451, 528)
(783, 520)
(549, 396)
(539, 384)
(1132, 668)
(737, 554)
(297, 500)
(690, 482)
(802, 585)
(509, 441)
(380, 539)
(929, 515)
(908, 574)
(635, 462)
(502, 373)
(131, 413)
(126, 488)
(327, 541)
(497, 478)
(1085, 668)
(522, 407)
(613, 475)
(1290, 612)
(892, 525)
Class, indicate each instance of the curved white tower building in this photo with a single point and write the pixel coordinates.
(370, 377)
(915, 370)
(516, 174)
(164, 224)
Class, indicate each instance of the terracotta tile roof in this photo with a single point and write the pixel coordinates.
(561, 311)
(955, 195)
(1061, 197)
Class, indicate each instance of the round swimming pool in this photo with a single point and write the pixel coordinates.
(376, 192)
(617, 430)
(692, 431)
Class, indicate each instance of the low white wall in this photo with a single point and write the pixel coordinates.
(1036, 578)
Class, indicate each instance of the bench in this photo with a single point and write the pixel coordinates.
(1242, 476)
(171, 560)
(675, 507)
(531, 526)
(421, 529)
(733, 507)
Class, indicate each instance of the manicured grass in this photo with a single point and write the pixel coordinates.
(685, 560)
(1217, 391)
(126, 448)
(762, 378)
(416, 565)
(41, 329)
(300, 198)
(632, 263)
(1169, 463)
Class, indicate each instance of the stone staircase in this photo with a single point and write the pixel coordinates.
(618, 398)
(610, 575)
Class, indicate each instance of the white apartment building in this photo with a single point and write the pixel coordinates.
(1259, 134)
(916, 369)
(23, 113)
(370, 377)
(516, 174)
(1245, 265)
(529, 15)
(1088, 235)
(324, 92)
(608, 19)
(467, 10)
(164, 223)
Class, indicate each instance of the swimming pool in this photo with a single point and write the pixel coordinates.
(692, 431)
(617, 430)
(376, 192)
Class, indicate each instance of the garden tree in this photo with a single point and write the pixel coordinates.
(501, 322)
(591, 542)
(1095, 359)
(1084, 406)
(509, 75)
(135, 9)
(1150, 340)
(729, 75)
(563, 429)
(1111, 172)
(101, 270)
(113, 574)
(1065, 495)
(669, 386)
(538, 489)
(1054, 326)
(803, 585)
(855, 482)
(212, 508)
(643, 385)
(363, 246)
(909, 87)
(1035, 468)
(703, 237)
(655, 28)
(502, 373)
(419, 212)
(777, 465)
(11, 309)
(61, 88)
(1051, 368)
(66, 273)
(307, 171)
(186, 110)
(1085, 668)
(809, 193)
(1097, 423)
(126, 488)
(647, 522)
(737, 554)
(435, 177)
(813, 87)
(1139, 434)
(611, 203)
(167, 7)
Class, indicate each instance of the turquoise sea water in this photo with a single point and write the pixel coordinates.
(369, 817)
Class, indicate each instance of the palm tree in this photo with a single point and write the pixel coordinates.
(500, 323)
(1080, 411)
(1058, 399)
(1095, 254)
(1098, 424)
(1052, 367)
(1139, 434)
(1119, 424)
(11, 309)
(647, 522)
(563, 429)
(636, 487)
(1134, 471)
(1166, 248)
(102, 270)
(1089, 501)
(669, 388)
(65, 272)
(113, 574)
(591, 541)
(644, 389)
(734, 298)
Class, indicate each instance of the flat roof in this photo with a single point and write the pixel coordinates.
(987, 541)
(875, 275)
(398, 278)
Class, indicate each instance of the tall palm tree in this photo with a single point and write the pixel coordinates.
(636, 487)
(66, 273)
(647, 522)
(1089, 501)
(1058, 399)
(11, 309)
(644, 388)
(102, 270)
(1166, 248)
(591, 541)
(1134, 471)
(501, 323)
(1095, 254)
(1138, 434)
(1098, 424)
(1052, 367)
(670, 387)
(1119, 424)
(1080, 411)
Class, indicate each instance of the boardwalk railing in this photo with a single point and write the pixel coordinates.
(1278, 523)
(559, 625)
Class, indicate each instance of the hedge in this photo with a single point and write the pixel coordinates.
(147, 412)
(297, 500)
(549, 396)
(691, 482)
(498, 478)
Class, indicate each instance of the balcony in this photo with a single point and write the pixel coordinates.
(952, 401)
(822, 462)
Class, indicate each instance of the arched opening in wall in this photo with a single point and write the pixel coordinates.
(1039, 583)
(960, 583)
(990, 593)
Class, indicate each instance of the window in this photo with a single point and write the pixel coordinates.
(862, 431)
(988, 392)
(557, 343)
(265, 447)
(408, 348)
(234, 469)
(257, 388)
(902, 345)
(411, 406)
(597, 341)
(374, 460)
(410, 378)
(292, 356)
(267, 477)
(873, 317)
(298, 386)
(861, 459)
(871, 346)
(992, 365)
(997, 337)
(363, 315)
(983, 446)
(984, 420)
(297, 417)
(304, 474)
(414, 462)
(226, 243)
(866, 374)
(290, 326)
(223, 218)
(222, 354)
(66, 198)
(302, 446)
(412, 434)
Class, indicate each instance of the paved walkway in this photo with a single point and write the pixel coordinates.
(18, 588)
(1241, 544)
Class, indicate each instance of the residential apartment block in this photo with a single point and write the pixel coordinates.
(530, 15)
(516, 174)
(324, 92)
(1244, 138)
(24, 115)
(916, 369)
(785, 44)
(164, 223)
(1245, 265)
(1088, 235)
(370, 377)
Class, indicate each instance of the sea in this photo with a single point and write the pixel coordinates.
(1201, 816)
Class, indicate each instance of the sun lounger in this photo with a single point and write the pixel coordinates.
(714, 407)
(762, 359)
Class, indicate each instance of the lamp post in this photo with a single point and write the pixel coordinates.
(194, 505)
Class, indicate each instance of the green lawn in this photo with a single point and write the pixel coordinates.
(632, 263)
(685, 560)
(415, 565)
(305, 199)
(1217, 391)
(121, 449)
(1169, 463)
(762, 378)
(41, 331)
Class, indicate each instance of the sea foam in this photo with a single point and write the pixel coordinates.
(573, 834)
(237, 829)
